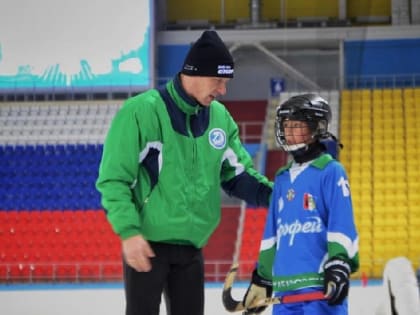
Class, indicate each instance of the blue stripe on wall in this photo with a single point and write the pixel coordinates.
(119, 285)
(370, 60)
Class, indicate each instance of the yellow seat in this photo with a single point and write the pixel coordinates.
(414, 235)
(356, 95)
(408, 93)
(417, 93)
(413, 198)
(410, 103)
(411, 152)
(377, 94)
(366, 94)
(397, 94)
(387, 93)
(365, 251)
(380, 208)
(364, 224)
(346, 94)
(388, 112)
(414, 221)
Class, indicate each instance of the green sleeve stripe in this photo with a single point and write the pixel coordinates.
(351, 247)
(265, 262)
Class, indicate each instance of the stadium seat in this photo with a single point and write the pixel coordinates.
(112, 271)
(20, 272)
(43, 272)
(89, 272)
(66, 272)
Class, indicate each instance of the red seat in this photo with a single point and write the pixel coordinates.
(20, 272)
(4, 217)
(112, 271)
(56, 216)
(43, 272)
(4, 273)
(89, 271)
(12, 216)
(66, 272)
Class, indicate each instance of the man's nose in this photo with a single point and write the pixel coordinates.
(222, 89)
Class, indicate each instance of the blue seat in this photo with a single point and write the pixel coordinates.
(19, 150)
(8, 150)
(28, 150)
(49, 177)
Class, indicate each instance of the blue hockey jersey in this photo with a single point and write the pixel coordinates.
(310, 219)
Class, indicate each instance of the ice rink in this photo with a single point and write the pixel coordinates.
(108, 299)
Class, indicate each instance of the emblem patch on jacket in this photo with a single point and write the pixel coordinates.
(217, 138)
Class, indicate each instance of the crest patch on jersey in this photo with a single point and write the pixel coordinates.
(290, 194)
(308, 202)
(217, 138)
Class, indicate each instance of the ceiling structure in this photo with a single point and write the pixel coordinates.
(276, 43)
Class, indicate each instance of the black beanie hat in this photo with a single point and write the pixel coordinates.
(209, 57)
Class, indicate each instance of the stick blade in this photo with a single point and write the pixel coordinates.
(230, 304)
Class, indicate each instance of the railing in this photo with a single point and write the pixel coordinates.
(215, 271)
(248, 131)
(382, 81)
(27, 272)
(292, 84)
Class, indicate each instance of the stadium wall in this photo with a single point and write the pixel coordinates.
(382, 63)
(368, 63)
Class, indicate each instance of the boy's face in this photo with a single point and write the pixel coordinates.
(297, 132)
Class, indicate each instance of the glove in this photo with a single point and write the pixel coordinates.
(258, 289)
(336, 280)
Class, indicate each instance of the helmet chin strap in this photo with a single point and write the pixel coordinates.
(294, 147)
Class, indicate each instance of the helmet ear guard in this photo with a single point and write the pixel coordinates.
(309, 108)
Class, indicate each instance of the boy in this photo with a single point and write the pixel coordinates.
(310, 241)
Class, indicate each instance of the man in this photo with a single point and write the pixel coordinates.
(310, 242)
(165, 157)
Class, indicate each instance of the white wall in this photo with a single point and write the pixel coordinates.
(109, 300)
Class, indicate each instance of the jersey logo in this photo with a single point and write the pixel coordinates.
(290, 194)
(308, 202)
(217, 138)
(311, 225)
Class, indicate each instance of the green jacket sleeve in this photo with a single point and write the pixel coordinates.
(118, 173)
(239, 177)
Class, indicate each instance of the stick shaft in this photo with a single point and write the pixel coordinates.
(232, 305)
(301, 297)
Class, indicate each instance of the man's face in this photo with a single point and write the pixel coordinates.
(206, 89)
(296, 132)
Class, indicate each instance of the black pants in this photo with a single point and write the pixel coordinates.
(178, 272)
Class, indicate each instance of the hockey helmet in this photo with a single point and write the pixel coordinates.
(310, 108)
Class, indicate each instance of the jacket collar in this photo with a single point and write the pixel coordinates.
(185, 102)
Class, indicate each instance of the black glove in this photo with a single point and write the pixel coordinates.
(258, 289)
(336, 280)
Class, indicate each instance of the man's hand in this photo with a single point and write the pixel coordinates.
(336, 280)
(137, 253)
(258, 289)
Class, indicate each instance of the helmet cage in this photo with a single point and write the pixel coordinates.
(308, 108)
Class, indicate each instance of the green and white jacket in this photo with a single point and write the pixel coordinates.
(163, 164)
